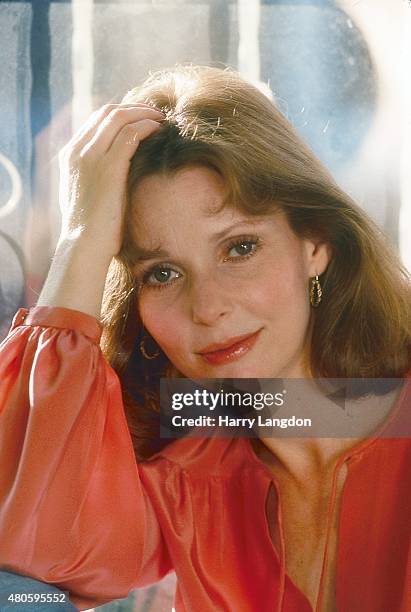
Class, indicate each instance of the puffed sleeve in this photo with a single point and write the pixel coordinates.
(73, 510)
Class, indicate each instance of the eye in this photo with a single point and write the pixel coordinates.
(244, 247)
(160, 277)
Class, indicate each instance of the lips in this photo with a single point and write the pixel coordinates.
(231, 349)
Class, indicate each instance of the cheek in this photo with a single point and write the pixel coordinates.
(280, 292)
(163, 322)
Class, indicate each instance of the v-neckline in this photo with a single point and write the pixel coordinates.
(273, 484)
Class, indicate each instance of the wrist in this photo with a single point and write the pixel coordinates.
(76, 277)
(82, 247)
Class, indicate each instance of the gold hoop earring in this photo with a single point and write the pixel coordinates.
(316, 292)
(144, 352)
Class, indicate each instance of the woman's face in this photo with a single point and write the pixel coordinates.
(220, 276)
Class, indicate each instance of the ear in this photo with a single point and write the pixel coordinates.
(317, 256)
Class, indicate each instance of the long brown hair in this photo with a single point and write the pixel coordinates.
(217, 119)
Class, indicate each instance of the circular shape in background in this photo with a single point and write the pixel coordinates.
(12, 175)
(319, 67)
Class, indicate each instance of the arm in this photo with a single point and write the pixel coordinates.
(73, 511)
(93, 173)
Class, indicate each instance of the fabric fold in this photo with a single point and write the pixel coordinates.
(72, 508)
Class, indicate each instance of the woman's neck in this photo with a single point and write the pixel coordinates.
(341, 428)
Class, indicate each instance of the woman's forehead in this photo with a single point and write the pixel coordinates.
(187, 201)
(192, 197)
(195, 186)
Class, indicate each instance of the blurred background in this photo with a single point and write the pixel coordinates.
(337, 69)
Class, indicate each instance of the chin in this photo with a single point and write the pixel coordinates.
(238, 370)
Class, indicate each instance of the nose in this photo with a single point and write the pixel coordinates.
(209, 300)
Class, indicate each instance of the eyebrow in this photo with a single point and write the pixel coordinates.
(141, 254)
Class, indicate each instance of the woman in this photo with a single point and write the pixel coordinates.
(202, 239)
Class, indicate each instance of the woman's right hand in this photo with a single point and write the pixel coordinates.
(94, 167)
(93, 173)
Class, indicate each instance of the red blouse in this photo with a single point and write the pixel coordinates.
(77, 511)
